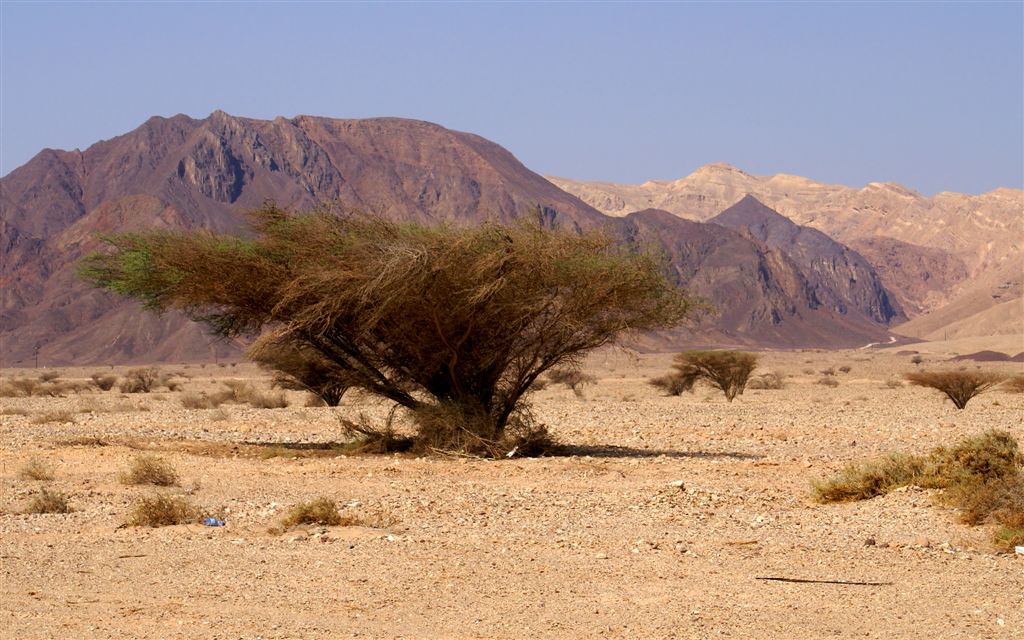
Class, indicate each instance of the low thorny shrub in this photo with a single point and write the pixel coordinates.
(162, 511)
(982, 476)
(47, 501)
(150, 470)
(36, 469)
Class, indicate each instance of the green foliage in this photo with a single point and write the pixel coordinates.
(421, 315)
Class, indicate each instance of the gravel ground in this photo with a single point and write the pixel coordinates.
(662, 524)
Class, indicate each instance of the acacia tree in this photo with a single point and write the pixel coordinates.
(728, 371)
(959, 386)
(452, 323)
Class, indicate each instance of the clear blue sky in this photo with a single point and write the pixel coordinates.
(927, 94)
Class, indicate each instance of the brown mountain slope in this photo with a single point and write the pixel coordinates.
(185, 173)
(841, 280)
(957, 236)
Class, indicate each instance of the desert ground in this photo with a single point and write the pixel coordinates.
(661, 521)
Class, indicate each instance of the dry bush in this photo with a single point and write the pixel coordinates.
(828, 381)
(455, 427)
(845, 368)
(320, 511)
(894, 382)
(917, 360)
(162, 511)
(982, 476)
(572, 378)
(47, 501)
(831, 371)
(959, 386)
(672, 385)
(36, 469)
(18, 387)
(1015, 384)
(365, 437)
(54, 416)
(769, 381)
(419, 315)
(104, 382)
(202, 400)
(268, 400)
(150, 470)
(863, 480)
(727, 371)
(14, 411)
(141, 380)
(167, 380)
(49, 376)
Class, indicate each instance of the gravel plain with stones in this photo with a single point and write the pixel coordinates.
(661, 521)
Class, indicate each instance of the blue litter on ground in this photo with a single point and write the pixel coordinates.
(213, 522)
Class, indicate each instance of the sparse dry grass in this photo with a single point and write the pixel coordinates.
(828, 381)
(772, 381)
(162, 511)
(320, 511)
(103, 381)
(36, 469)
(150, 470)
(47, 501)
(54, 416)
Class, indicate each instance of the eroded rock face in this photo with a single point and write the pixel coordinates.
(840, 278)
(187, 173)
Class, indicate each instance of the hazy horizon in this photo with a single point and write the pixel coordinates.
(926, 95)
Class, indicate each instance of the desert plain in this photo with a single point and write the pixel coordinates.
(666, 517)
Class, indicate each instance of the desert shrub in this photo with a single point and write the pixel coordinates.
(863, 480)
(894, 382)
(46, 501)
(1015, 384)
(771, 380)
(366, 437)
(162, 511)
(831, 371)
(320, 511)
(202, 400)
(268, 400)
(424, 316)
(150, 470)
(917, 360)
(959, 386)
(727, 371)
(14, 411)
(18, 387)
(167, 380)
(845, 368)
(36, 469)
(54, 416)
(104, 382)
(982, 476)
(141, 380)
(828, 381)
(672, 385)
(49, 376)
(572, 378)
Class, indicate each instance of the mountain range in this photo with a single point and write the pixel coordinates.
(790, 270)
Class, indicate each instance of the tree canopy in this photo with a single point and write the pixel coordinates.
(425, 315)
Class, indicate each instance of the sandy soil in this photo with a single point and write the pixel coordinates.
(603, 543)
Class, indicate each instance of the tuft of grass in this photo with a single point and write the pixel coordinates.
(47, 501)
(894, 382)
(203, 400)
(36, 469)
(867, 479)
(320, 511)
(673, 385)
(54, 416)
(845, 368)
(162, 511)
(981, 476)
(49, 376)
(271, 400)
(150, 470)
(828, 381)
